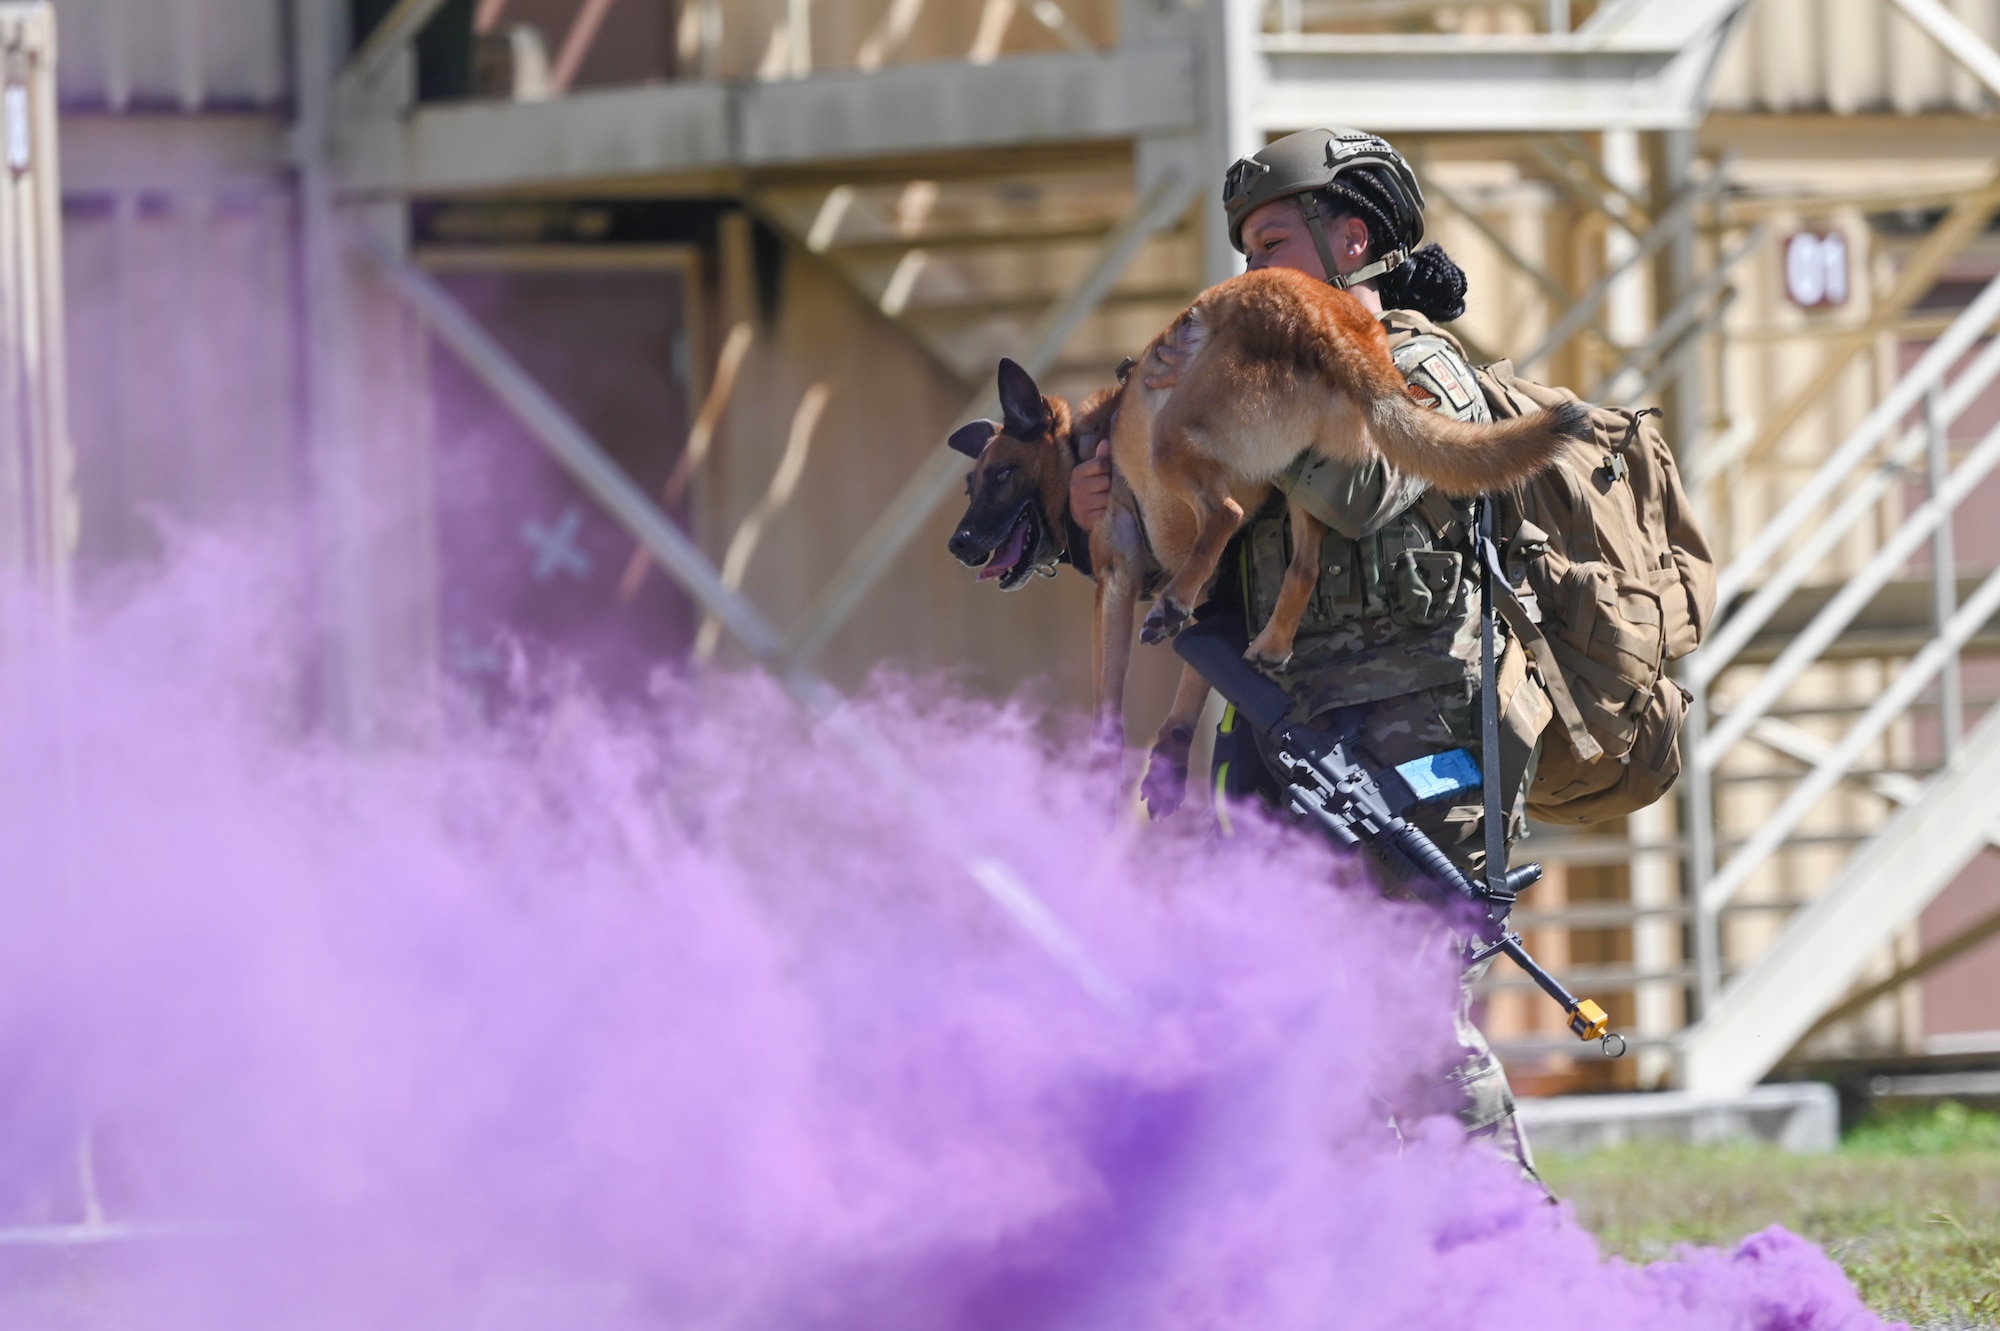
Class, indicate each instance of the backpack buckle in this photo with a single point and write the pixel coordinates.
(1527, 544)
(1616, 467)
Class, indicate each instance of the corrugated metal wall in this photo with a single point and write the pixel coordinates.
(1849, 57)
(186, 55)
(1845, 56)
(185, 388)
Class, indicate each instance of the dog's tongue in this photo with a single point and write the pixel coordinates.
(1008, 555)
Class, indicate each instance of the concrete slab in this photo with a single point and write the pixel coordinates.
(1798, 1116)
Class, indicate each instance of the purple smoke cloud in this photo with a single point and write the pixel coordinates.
(668, 1017)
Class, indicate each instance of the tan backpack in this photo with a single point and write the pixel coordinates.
(1620, 581)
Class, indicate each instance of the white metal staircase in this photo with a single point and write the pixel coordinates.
(1926, 829)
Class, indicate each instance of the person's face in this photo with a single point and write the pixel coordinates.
(1275, 236)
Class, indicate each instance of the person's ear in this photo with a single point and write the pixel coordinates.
(1352, 237)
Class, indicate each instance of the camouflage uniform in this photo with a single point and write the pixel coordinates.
(1389, 650)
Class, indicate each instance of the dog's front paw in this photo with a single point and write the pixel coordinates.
(1165, 783)
(1167, 618)
(1266, 657)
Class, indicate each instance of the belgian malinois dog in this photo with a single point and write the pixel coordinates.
(1264, 367)
(1015, 526)
(1276, 363)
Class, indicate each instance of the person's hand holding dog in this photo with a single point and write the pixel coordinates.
(1090, 487)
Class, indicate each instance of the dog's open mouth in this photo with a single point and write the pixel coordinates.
(1010, 562)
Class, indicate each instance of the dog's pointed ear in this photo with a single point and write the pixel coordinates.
(1022, 412)
(972, 439)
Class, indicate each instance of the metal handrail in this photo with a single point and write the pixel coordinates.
(1850, 600)
(1720, 651)
(1891, 703)
(1924, 386)
(1902, 399)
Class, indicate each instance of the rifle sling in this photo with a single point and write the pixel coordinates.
(1490, 572)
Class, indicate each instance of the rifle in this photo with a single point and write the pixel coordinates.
(1357, 808)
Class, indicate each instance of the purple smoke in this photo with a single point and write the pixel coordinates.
(669, 1019)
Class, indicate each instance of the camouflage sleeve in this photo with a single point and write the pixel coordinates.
(1358, 500)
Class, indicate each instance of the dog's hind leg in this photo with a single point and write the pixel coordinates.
(1273, 646)
(1165, 782)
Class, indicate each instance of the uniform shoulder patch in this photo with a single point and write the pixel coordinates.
(1440, 370)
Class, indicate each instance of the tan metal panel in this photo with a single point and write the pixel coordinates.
(185, 54)
(1849, 57)
(1854, 74)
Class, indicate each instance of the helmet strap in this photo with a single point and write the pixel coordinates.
(1393, 259)
(1309, 209)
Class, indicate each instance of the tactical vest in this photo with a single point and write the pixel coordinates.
(1393, 610)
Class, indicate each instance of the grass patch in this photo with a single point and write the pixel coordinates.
(1910, 1206)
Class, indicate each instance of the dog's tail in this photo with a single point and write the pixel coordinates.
(1466, 457)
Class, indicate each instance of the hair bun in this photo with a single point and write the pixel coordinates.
(1427, 282)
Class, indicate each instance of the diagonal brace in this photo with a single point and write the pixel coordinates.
(1960, 42)
(592, 468)
(581, 456)
(940, 474)
(1679, 215)
(394, 31)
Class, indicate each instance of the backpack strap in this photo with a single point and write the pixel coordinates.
(1543, 653)
(1493, 575)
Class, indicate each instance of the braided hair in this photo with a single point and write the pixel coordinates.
(1428, 281)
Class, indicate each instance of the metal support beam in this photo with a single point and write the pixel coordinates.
(1764, 1011)
(1966, 219)
(1680, 214)
(1678, 321)
(1808, 503)
(822, 257)
(700, 128)
(1944, 574)
(1674, 368)
(1643, 66)
(387, 40)
(1891, 703)
(1803, 746)
(1853, 597)
(1559, 153)
(1561, 295)
(1959, 42)
(943, 471)
(1681, 370)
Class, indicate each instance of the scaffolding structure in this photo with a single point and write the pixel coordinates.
(37, 496)
(1785, 243)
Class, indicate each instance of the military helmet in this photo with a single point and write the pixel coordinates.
(1301, 164)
